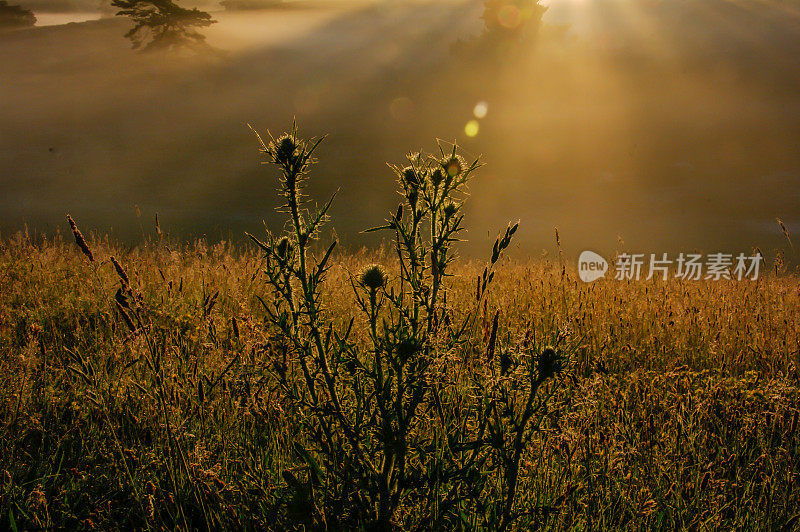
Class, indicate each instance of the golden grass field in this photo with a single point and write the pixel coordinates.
(681, 409)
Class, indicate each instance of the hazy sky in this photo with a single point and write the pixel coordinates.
(673, 125)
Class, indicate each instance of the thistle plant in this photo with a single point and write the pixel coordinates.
(457, 467)
(391, 436)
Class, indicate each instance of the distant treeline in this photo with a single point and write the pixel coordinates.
(249, 4)
(13, 16)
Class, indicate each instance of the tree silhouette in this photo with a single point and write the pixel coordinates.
(15, 16)
(507, 23)
(512, 19)
(162, 24)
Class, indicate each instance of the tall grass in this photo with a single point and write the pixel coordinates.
(280, 386)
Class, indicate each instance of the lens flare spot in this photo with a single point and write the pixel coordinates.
(509, 17)
(472, 128)
(480, 110)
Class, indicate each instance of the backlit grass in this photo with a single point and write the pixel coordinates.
(681, 409)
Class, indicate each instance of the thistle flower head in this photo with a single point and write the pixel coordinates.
(450, 209)
(284, 150)
(454, 166)
(549, 363)
(373, 277)
(406, 348)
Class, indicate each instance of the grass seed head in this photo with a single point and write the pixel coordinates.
(120, 271)
(79, 239)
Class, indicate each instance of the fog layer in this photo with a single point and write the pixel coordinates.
(669, 126)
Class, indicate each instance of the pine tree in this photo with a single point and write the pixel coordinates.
(162, 24)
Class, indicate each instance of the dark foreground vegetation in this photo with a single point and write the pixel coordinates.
(290, 386)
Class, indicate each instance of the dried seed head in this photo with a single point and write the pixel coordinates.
(450, 209)
(121, 298)
(235, 325)
(125, 317)
(373, 277)
(79, 239)
(120, 271)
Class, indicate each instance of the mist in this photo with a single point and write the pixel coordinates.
(652, 126)
(66, 6)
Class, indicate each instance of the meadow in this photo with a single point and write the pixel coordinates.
(286, 384)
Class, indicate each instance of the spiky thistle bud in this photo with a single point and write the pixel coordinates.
(450, 209)
(437, 177)
(373, 277)
(283, 248)
(412, 196)
(410, 176)
(549, 364)
(284, 150)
